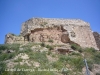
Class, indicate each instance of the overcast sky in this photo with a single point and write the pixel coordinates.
(14, 12)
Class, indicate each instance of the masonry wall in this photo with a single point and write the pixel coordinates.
(79, 31)
(75, 30)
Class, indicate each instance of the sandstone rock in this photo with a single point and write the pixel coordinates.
(22, 56)
(64, 49)
(38, 48)
(36, 64)
(84, 71)
(96, 69)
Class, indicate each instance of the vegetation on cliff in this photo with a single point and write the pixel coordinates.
(40, 56)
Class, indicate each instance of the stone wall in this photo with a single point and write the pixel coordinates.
(56, 35)
(78, 30)
(34, 23)
(58, 30)
(11, 38)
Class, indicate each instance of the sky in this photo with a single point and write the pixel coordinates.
(14, 12)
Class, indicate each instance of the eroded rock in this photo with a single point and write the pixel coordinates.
(97, 38)
(43, 29)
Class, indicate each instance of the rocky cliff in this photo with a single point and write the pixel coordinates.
(97, 38)
(58, 31)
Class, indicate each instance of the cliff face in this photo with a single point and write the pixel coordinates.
(58, 30)
(97, 38)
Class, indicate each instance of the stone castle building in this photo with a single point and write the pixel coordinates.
(57, 30)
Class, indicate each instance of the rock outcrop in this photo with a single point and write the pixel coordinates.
(11, 38)
(97, 38)
(58, 30)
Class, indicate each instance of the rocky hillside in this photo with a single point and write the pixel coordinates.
(47, 59)
(51, 47)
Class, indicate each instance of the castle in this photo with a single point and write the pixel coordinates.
(60, 31)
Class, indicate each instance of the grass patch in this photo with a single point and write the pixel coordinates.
(2, 68)
(76, 54)
(76, 62)
(47, 46)
(58, 65)
(39, 57)
(49, 52)
(18, 60)
(6, 56)
(96, 58)
(3, 47)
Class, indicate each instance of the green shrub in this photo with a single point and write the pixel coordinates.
(77, 63)
(53, 55)
(58, 65)
(74, 46)
(49, 47)
(0, 51)
(3, 56)
(3, 47)
(14, 47)
(49, 52)
(2, 68)
(10, 55)
(96, 58)
(18, 60)
(28, 50)
(97, 55)
(39, 57)
(6, 56)
(50, 40)
(42, 44)
(80, 50)
(77, 54)
(90, 64)
(9, 47)
(63, 58)
(90, 50)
